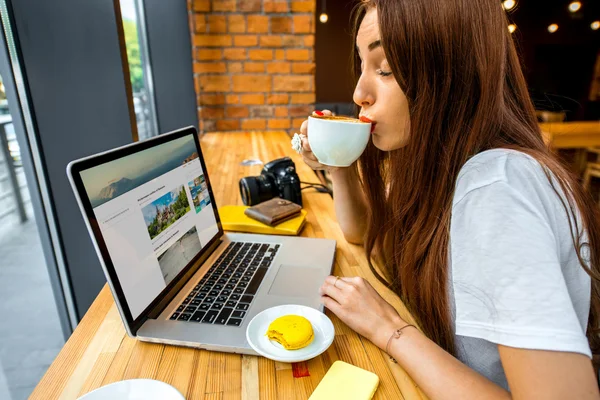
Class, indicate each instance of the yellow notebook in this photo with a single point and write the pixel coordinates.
(234, 219)
(345, 381)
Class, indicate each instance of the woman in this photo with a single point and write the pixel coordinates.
(489, 241)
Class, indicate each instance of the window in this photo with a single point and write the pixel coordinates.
(139, 68)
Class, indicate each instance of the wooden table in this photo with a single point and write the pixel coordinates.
(99, 352)
(576, 136)
(571, 135)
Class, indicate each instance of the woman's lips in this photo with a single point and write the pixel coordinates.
(368, 120)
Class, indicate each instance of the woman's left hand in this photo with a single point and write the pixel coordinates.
(359, 306)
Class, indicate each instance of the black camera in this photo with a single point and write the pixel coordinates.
(277, 179)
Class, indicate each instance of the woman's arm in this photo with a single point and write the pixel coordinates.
(349, 198)
(530, 373)
(350, 204)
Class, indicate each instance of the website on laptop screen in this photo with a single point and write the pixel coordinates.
(155, 214)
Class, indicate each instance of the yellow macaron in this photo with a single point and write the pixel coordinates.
(293, 332)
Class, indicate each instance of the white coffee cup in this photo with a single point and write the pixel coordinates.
(337, 141)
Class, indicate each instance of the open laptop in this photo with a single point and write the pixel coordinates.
(176, 277)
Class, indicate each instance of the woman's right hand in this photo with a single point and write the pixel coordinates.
(349, 200)
(307, 155)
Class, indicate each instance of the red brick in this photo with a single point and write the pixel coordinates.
(303, 24)
(232, 99)
(304, 98)
(234, 54)
(252, 83)
(297, 122)
(280, 54)
(197, 85)
(202, 5)
(254, 67)
(211, 99)
(309, 40)
(212, 40)
(254, 124)
(276, 6)
(279, 68)
(278, 99)
(235, 67)
(208, 67)
(200, 23)
(213, 83)
(213, 112)
(223, 5)
(249, 5)
(279, 123)
(281, 25)
(253, 99)
(304, 6)
(209, 54)
(300, 111)
(261, 111)
(237, 23)
(293, 41)
(297, 55)
(228, 125)
(245, 40)
(303, 68)
(258, 24)
(217, 24)
(207, 125)
(264, 55)
(237, 112)
(281, 111)
(271, 41)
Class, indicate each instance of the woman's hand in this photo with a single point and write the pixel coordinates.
(307, 155)
(359, 306)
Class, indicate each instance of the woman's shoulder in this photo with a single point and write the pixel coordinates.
(501, 167)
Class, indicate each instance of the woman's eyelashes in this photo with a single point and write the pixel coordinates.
(383, 73)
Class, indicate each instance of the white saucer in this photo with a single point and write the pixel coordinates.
(257, 329)
(135, 389)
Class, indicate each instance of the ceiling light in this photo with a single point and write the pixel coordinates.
(575, 6)
(323, 17)
(512, 28)
(595, 25)
(509, 4)
(553, 28)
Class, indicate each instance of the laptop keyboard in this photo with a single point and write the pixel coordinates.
(225, 293)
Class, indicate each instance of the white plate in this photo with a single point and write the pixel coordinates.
(135, 389)
(257, 329)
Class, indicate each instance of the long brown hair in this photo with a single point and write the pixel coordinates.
(458, 67)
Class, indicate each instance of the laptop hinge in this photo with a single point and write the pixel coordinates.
(166, 300)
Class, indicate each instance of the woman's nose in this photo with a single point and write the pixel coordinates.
(362, 97)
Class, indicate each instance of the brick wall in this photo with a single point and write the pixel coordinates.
(253, 63)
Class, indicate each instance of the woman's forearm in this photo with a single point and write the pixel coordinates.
(436, 372)
(350, 204)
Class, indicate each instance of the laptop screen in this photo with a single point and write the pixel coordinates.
(155, 214)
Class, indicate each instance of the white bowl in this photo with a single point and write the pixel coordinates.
(135, 389)
(258, 340)
(337, 143)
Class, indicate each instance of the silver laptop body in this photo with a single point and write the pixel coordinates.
(176, 277)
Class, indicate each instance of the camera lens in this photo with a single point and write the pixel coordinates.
(256, 189)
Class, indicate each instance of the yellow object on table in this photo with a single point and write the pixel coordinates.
(234, 219)
(346, 381)
(293, 332)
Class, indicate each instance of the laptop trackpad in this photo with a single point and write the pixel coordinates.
(296, 281)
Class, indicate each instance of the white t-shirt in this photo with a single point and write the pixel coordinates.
(515, 278)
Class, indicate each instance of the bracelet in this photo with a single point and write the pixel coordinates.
(397, 333)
